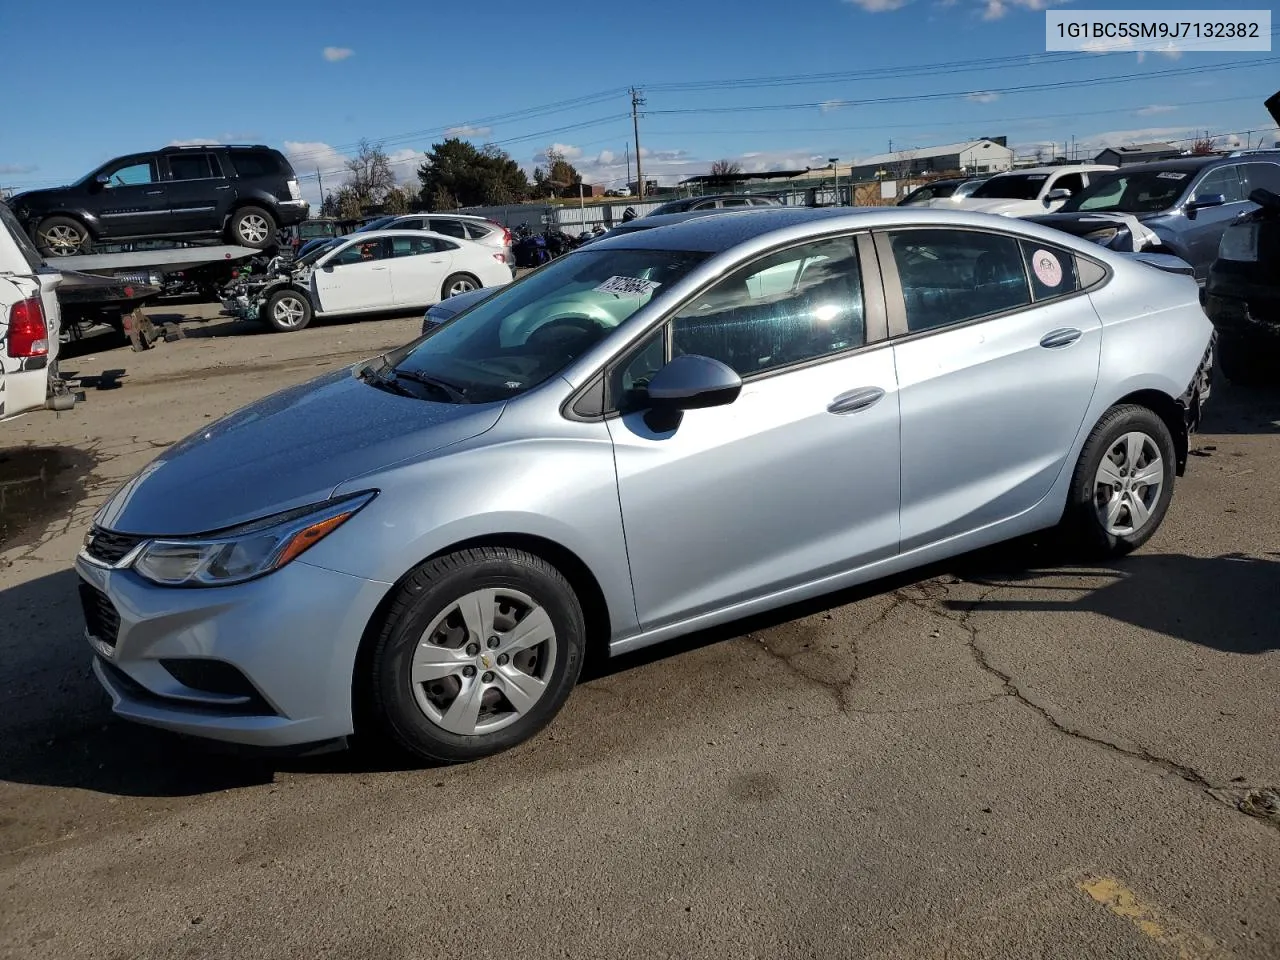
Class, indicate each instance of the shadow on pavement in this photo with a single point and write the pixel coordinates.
(1240, 410)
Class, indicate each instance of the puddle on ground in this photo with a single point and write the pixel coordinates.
(37, 485)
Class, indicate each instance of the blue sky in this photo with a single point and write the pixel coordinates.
(315, 78)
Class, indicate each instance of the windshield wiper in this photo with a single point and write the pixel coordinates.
(452, 393)
(372, 377)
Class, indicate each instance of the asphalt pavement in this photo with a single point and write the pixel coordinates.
(1006, 756)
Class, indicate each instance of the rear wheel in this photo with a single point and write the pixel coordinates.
(479, 651)
(252, 227)
(459, 283)
(286, 311)
(62, 237)
(1123, 483)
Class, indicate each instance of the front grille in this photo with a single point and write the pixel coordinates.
(100, 616)
(109, 547)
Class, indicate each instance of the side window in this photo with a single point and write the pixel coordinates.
(1052, 270)
(627, 379)
(360, 253)
(476, 231)
(704, 205)
(412, 223)
(411, 246)
(1264, 175)
(132, 173)
(1108, 195)
(735, 202)
(1225, 181)
(190, 166)
(253, 163)
(950, 276)
(443, 246)
(795, 305)
(1069, 181)
(450, 228)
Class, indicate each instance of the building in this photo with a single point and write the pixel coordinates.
(988, 155)
(1137, 153)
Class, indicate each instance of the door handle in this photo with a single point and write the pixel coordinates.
(852, 401)
(377, 268)
(154, 193)
(1060, 338)
(438, 260)
(225, 186)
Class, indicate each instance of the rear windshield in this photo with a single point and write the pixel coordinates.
(258, 163)
(1148, 191)
(14, 229)
(1013, 186)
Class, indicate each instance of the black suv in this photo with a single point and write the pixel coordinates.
(241, 193)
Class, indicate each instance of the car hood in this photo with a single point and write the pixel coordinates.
(285, 451)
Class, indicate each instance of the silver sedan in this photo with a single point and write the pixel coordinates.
(654, 434)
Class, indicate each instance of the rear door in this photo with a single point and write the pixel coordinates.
(354, 278)
(197, 187)
(418, 268)
(996, 349)
(1204, 230)
(133, 202)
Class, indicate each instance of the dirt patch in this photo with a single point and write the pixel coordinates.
(38, 484)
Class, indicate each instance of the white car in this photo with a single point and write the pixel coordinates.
(377, 271)
(1028, 192)
(29, 325)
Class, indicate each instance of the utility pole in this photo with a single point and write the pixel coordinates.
(636, 101)
(321, 182)
(628, 166)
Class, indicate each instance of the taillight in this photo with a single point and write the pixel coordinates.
(294, 192)
(28, 334)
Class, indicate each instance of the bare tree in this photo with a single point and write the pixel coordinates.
(369, 173)
(725, 169)
(1204, 146)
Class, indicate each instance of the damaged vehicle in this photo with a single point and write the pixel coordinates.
(1179, 207)
(1023, 193)
(384, 270)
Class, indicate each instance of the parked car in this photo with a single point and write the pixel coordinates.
(942, 189)
(241, 193)
(459, 226)
(1242, 293)
(1178, 206)
(368, 273)
(30, 326)
(1026, 192)
(685, 204)
(651, 435)
(665, 220)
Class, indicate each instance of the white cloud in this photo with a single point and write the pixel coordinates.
(405, 163)
(194, 142)
(1142, 55)
(1155, 108)
(828, 105)
(1170, 51)
(334, 54)
(10, 169)
(566, 150)
(995, 9)
(606, 157)
(468, 131)
(879, 6)
(308, 156)
(983, 96)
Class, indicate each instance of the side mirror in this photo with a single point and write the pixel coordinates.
(100, 182)
(1061, 193)
(692, 382)
(1208, 200)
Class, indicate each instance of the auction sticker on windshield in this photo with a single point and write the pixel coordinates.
(1171, 175)
(632, 286)
(1048, 269)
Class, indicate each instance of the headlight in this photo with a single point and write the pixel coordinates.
(1240, 243)
(1103, 236)
(245, 552)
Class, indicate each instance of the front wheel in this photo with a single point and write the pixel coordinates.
(478, 652)
(253, 227)
(1123, 483)
(286, 311)
(459, 283)
(62, 237)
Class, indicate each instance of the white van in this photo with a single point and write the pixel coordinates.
(30, 324)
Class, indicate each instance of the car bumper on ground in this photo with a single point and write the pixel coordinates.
(267, 663)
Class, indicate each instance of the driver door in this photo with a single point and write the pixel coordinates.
(354, 278)
(133, 202)
(795, 480)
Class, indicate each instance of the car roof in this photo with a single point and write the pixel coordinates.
(448, 216)
(1187, 164)
(656, 220)
(398, 232)
(1059, 168)
(728, 229)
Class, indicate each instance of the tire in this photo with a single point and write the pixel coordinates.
(429, 718)
(1244, 360)
(458, 283)
(252, 227)
(287, 311)
(1084, 522)
(69, 237)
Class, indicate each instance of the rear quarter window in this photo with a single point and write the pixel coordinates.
(1051, 269)
(255, 163)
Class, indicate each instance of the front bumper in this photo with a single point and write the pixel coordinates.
(291, 636)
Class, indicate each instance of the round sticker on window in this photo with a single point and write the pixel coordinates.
(1048, 269)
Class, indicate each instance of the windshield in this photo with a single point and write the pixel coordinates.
(377, 224)
(1013, 186)
(1148, 191)
(533, 329)
(318, 251)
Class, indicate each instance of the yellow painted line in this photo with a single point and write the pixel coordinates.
(1153, 923)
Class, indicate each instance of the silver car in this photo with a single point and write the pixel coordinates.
(651, 435)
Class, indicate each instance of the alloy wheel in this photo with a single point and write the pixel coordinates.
(461, 285)
(253, 228)
(289, 312)
(1128, 484)
(484, 662)
(62, 240)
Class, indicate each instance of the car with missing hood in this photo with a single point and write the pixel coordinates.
(650, 435)
(1025, 192)
(1180, 206)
